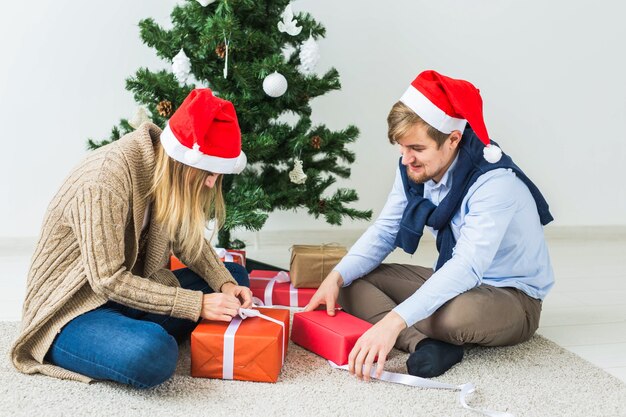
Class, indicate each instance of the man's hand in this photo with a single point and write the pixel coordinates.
(376, 342)
(327, 293)
(243, 294)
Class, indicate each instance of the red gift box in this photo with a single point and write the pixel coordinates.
(330, 337)
(237, 256)
(274, 288)
(252, 349)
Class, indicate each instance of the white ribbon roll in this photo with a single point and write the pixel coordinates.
(414, 381)
(229, 339)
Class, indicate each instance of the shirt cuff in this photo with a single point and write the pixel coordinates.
(409, 313)
(345, 274)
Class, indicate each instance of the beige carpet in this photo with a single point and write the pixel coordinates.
(537, 378)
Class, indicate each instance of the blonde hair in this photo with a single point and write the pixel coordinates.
(401, 119)
(183, 204)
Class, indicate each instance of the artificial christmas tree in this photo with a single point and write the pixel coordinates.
(251, 53)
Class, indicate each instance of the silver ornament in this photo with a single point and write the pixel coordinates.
(297, 175)
(289, 24)
(205, 3)
(309, 56)
(181, 66)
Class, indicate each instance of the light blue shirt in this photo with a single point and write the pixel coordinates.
(499, 242)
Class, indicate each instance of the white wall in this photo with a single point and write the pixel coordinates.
(551, 75)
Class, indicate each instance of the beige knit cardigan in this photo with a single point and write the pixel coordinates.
(87, 252)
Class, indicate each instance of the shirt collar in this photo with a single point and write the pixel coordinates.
(446, 180)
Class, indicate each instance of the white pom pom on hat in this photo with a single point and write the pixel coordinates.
(492, 153)
(204, 133)
(447, 104)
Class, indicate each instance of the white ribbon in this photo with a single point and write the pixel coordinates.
(229, 339)
(414, 381)
(280, 277)
(229, 348)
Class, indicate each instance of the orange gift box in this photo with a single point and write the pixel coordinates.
(175, 263)
(232, 255)
(256, 347)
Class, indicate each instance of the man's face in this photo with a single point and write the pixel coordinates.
(424, 161)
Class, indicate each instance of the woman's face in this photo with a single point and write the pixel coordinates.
(211, 179)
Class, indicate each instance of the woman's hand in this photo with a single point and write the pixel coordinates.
(219, 306)
(243, 294)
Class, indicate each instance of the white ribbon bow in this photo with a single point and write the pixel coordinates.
(268, 299)
(228, 256)
(229, 338)
(415, 381)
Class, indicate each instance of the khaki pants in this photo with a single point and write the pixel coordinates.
(485, 315)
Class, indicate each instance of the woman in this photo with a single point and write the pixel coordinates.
(100, 303)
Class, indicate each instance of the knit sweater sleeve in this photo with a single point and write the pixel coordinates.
(208, 265)
(98, 217)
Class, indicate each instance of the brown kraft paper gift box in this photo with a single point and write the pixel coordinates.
(310, 264)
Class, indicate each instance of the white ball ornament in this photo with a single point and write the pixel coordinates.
(205, 3)
(275, 84)
(492, 153)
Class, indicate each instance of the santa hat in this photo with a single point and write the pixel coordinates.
(204, 133)
(448, 104)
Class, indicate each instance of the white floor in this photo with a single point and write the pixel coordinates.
(585, 312)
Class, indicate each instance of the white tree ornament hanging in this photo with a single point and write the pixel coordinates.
(181, 66)
(297, 175)
(205, 3)
(289, 24)
(138, 118)
(309, 56)
(275, 84)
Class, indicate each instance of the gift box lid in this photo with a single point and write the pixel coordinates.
(331, 337)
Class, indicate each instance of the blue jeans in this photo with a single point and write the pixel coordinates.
(122, 344)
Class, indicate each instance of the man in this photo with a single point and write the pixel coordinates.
(493, 269)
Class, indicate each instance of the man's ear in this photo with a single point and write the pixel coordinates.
(455, 139)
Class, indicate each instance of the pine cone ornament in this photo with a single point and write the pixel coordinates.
(221, 50)
(316, 142)
(165, 108)
(322, 205)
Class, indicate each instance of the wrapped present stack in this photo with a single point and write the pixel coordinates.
(308, 267)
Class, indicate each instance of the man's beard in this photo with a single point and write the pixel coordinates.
(420, 178)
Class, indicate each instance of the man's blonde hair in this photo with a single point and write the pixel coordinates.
(183, 203)
(401, 119)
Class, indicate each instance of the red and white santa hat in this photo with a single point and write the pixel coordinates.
(204, 133)
(447, 104)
